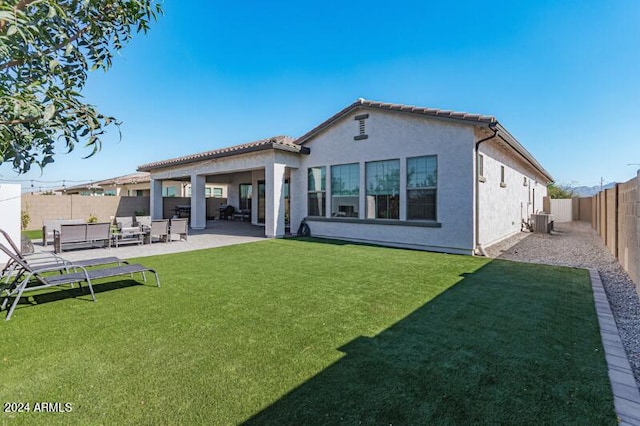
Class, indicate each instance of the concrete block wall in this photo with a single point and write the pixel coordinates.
(575, 208)
(616, 218)
(611, 220)
(585, 209)
(629, 229)
(47, 207)
(602, 226)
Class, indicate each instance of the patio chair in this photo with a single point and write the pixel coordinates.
(160, 229)
(144, 222)
(178, 227)
(24, 279)
(99, 232)
(125, 224)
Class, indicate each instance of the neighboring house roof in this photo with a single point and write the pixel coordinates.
(283, 143)
(131, 178)
(464, 117)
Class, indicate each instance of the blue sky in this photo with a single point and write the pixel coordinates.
(562, 76)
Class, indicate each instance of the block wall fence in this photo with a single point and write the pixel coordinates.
(616, 219)
(47, 207)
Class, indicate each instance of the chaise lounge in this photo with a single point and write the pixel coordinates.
(28, 278)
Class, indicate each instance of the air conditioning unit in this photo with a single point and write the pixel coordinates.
(542, 223)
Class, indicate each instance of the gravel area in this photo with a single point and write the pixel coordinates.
(576, 244)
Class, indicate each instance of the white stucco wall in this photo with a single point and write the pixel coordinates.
(502, 209)
(394, 135)
(10, 201)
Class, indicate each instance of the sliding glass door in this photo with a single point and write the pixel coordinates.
(262, 201)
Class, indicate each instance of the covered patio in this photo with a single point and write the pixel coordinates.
(257, 176)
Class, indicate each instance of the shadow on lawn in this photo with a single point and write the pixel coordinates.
(486, 351)
(76, 292)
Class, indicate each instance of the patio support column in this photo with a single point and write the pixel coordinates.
(155, 201)
(198, 205)
(274, 200)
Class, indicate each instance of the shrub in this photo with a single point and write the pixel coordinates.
(25, 219)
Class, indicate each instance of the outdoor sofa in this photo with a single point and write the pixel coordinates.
(49, 226)
(81, 234)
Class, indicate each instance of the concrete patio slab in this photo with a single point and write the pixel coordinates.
(218, 233)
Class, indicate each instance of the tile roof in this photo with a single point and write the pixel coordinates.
(276, 142)
(473, 119)
(131, 178)
(432, 112)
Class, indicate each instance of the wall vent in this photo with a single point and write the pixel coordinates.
(361, 127)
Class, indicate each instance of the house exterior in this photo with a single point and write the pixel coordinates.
(379, 173)
(138, 185)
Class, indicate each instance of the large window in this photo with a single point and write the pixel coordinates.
(316, 191)
(422, 183)
(345, 190)
(383, 189)
(169, 191)
(245, 196)
(217, 192)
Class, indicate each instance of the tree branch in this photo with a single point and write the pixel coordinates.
(14, 122)
(59, 46)
(20, 6)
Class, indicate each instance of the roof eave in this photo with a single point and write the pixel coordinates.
(522, 151)
(406, 110)
(273, 145)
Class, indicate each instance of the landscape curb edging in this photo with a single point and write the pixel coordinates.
(626, 397)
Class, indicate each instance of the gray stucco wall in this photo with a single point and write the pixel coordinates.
(503, 207)
(392, 135)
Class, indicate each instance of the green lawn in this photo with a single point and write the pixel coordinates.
(33, 234)
(309, 332)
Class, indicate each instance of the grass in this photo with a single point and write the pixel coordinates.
(33, 234)
(309, 332)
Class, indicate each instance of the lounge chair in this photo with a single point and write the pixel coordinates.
(160, 229)
(45, 260)
(178, 227)
(26, 274)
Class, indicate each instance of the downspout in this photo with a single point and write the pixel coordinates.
(479, 249)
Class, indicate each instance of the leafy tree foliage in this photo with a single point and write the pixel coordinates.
(46, 49)
(555, 191)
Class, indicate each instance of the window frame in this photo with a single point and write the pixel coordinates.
(356, 212)
(433, 188)
(244, 202)
(322, 206)
(395, 215)
(480, 166)
(165, 192)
